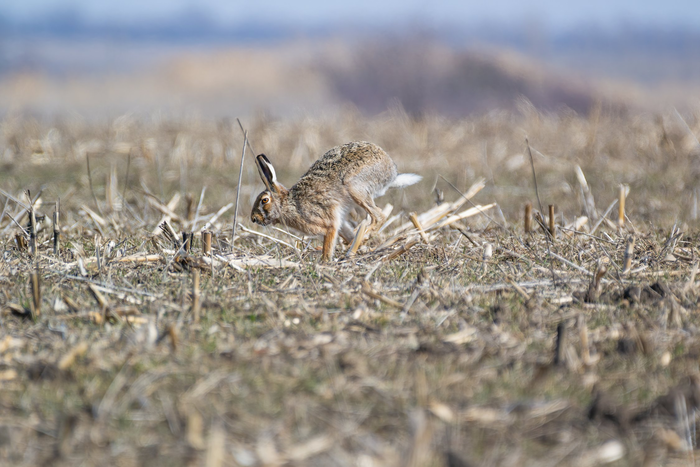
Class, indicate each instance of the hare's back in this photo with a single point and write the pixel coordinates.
(349, 161)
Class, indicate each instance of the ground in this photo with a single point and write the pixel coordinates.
(476, 343)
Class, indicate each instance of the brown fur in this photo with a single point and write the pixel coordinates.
(353, 173)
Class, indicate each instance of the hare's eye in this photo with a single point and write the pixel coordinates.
(265, 200)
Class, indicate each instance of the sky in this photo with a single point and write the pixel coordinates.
(553, 14)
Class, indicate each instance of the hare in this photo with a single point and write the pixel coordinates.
(354, 173)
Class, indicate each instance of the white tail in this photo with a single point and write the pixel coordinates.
(403, 180)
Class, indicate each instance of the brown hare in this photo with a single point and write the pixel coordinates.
(354, 173)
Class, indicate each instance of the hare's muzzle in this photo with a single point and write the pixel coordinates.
(257, 218)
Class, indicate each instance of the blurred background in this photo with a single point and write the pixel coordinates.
(456, 58)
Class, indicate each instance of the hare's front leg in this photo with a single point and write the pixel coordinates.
(329, 244)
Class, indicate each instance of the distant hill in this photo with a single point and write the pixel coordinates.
(63, 61)
(427, 77)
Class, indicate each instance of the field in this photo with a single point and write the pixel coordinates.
(471, 343)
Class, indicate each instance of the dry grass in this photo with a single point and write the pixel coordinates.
(438, 354)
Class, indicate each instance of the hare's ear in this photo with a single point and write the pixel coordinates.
(267, 172)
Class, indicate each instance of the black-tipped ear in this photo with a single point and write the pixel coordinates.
(267, 172)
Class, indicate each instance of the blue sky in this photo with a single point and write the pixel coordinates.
(555, 14)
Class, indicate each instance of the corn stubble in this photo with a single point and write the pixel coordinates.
(135, 331)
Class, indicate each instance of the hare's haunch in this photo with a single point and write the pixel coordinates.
(354, 173)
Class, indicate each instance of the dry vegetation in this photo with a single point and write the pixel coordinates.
(424, 349)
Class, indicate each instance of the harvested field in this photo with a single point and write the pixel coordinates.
(450, 338)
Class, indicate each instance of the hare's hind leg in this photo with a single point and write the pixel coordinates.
(366, 201)
(346, 232)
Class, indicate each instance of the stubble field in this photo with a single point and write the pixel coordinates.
(471, 343)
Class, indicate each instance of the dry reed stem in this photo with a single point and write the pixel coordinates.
(486, 256)
(687, 128)
(195, 296)
(97, 219)
(32, 231)
(97, 253)
(276, 240)
(433, 215)
(15, 222)
(621, 207)
(21, 241)
(439, 195)
(569, 263)
(518, 289)
(72, 306)
(286, 232)
(265, 261)
(527, 219)
(542, 223)
(240, 125)
(56, 230)
(112, 190)
(14, 199)
(389, 221)
(170, 234)
(97, 295)
(193, 223)
(428, 220)
(206, 242)
(388, 208)
(187, 239)
(404, 248)
(126, 178)
(189, 207)
(575, 227)
(478, 209)
(389, 242)
(369, 291)
(534, 174)
(552, 224)
(603, 218)
(238, 188)
(586, 194)
(359, 238)
(167, 210)
(139, 258)
(594, 287)
(416, 223)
